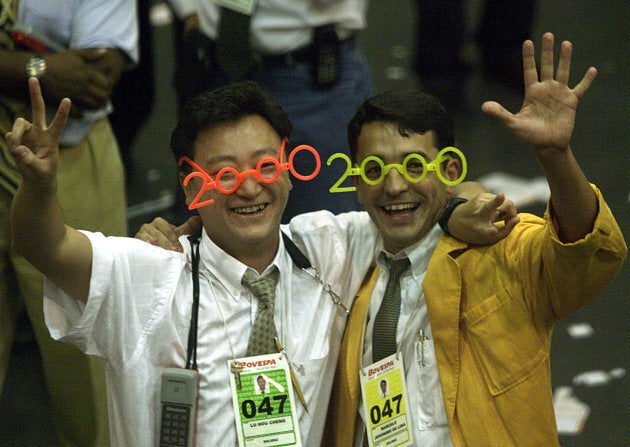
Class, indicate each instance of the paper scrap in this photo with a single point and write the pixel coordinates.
(522, 191)
(571, 413)
(580, 330)
(592, 378)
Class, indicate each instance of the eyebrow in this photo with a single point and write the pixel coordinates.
(266, 151)
(404, 154)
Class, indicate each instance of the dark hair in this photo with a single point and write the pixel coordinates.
(413, 112)
(223, 105)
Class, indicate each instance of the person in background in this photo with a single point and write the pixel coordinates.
(78, 50)
(134, 95)
(473, 324)
(305, 53)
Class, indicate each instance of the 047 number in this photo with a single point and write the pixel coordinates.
(250, 409)
(390, 408)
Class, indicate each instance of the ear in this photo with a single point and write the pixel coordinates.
(452, 171)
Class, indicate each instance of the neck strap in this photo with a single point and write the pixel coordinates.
(297, 257)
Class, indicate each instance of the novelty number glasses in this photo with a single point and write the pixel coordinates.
(414, 168)
(372, 171)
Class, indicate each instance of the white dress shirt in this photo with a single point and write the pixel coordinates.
(138, 312)
(79, 24)
(424, 393)
(281, 26)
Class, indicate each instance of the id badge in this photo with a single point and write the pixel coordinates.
(264, 402)
(385, 403)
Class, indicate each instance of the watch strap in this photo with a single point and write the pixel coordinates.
(448, 211)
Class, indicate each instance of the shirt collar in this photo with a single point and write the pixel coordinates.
(228, 270)
(419, 253)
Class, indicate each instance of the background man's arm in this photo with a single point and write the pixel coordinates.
(86, 76)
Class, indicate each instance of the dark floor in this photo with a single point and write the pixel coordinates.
(600, 33)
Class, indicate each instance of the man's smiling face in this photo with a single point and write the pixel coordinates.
(402, 211)
(248, 220)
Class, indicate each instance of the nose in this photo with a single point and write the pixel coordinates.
(395, 182)
(250, 187)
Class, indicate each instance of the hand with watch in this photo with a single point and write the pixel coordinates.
(483, 219)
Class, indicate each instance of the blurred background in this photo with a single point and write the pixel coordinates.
(590, 354)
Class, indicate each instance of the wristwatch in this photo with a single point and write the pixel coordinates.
(36, 67)
(447, 211)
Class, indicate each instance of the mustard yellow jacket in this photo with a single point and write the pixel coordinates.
(492, 310)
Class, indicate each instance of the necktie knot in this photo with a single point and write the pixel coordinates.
(264, 288)
(397, 267)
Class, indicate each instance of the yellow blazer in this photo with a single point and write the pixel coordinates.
(491, 311)
(343, 413)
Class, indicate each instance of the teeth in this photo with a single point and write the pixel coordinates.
(400, 207)
(249, 209)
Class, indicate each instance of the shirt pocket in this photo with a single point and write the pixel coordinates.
(431, 411)
(504, 341)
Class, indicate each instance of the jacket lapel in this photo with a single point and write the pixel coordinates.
(442, 290)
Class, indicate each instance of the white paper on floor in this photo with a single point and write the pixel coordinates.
(580, 330)
(522, 191)
(571, 413)
(598, 377)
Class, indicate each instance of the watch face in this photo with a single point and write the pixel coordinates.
(36, 67)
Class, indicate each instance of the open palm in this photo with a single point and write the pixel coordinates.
(547, 115)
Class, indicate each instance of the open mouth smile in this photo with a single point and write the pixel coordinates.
(253, 209)
(399, 208)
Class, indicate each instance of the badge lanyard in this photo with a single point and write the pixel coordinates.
(384, 392)
(298, 258)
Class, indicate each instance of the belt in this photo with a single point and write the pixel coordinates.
(302, 55)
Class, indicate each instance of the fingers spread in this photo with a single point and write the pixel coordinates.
(585, 83)
(496, 110)
(61, 117)
(37, 103)
(530, 72)
(564, 63)
(546, 57)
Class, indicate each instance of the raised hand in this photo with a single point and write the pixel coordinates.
(35, 146)
(547, 115)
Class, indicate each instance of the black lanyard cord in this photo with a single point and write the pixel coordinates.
(191, 360)
(297, 257)
(296, 254)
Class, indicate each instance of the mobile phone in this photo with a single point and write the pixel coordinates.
(178, 398)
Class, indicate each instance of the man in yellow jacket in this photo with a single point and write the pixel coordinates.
(473, 331)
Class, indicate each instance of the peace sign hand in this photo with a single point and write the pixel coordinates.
(35, 146)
